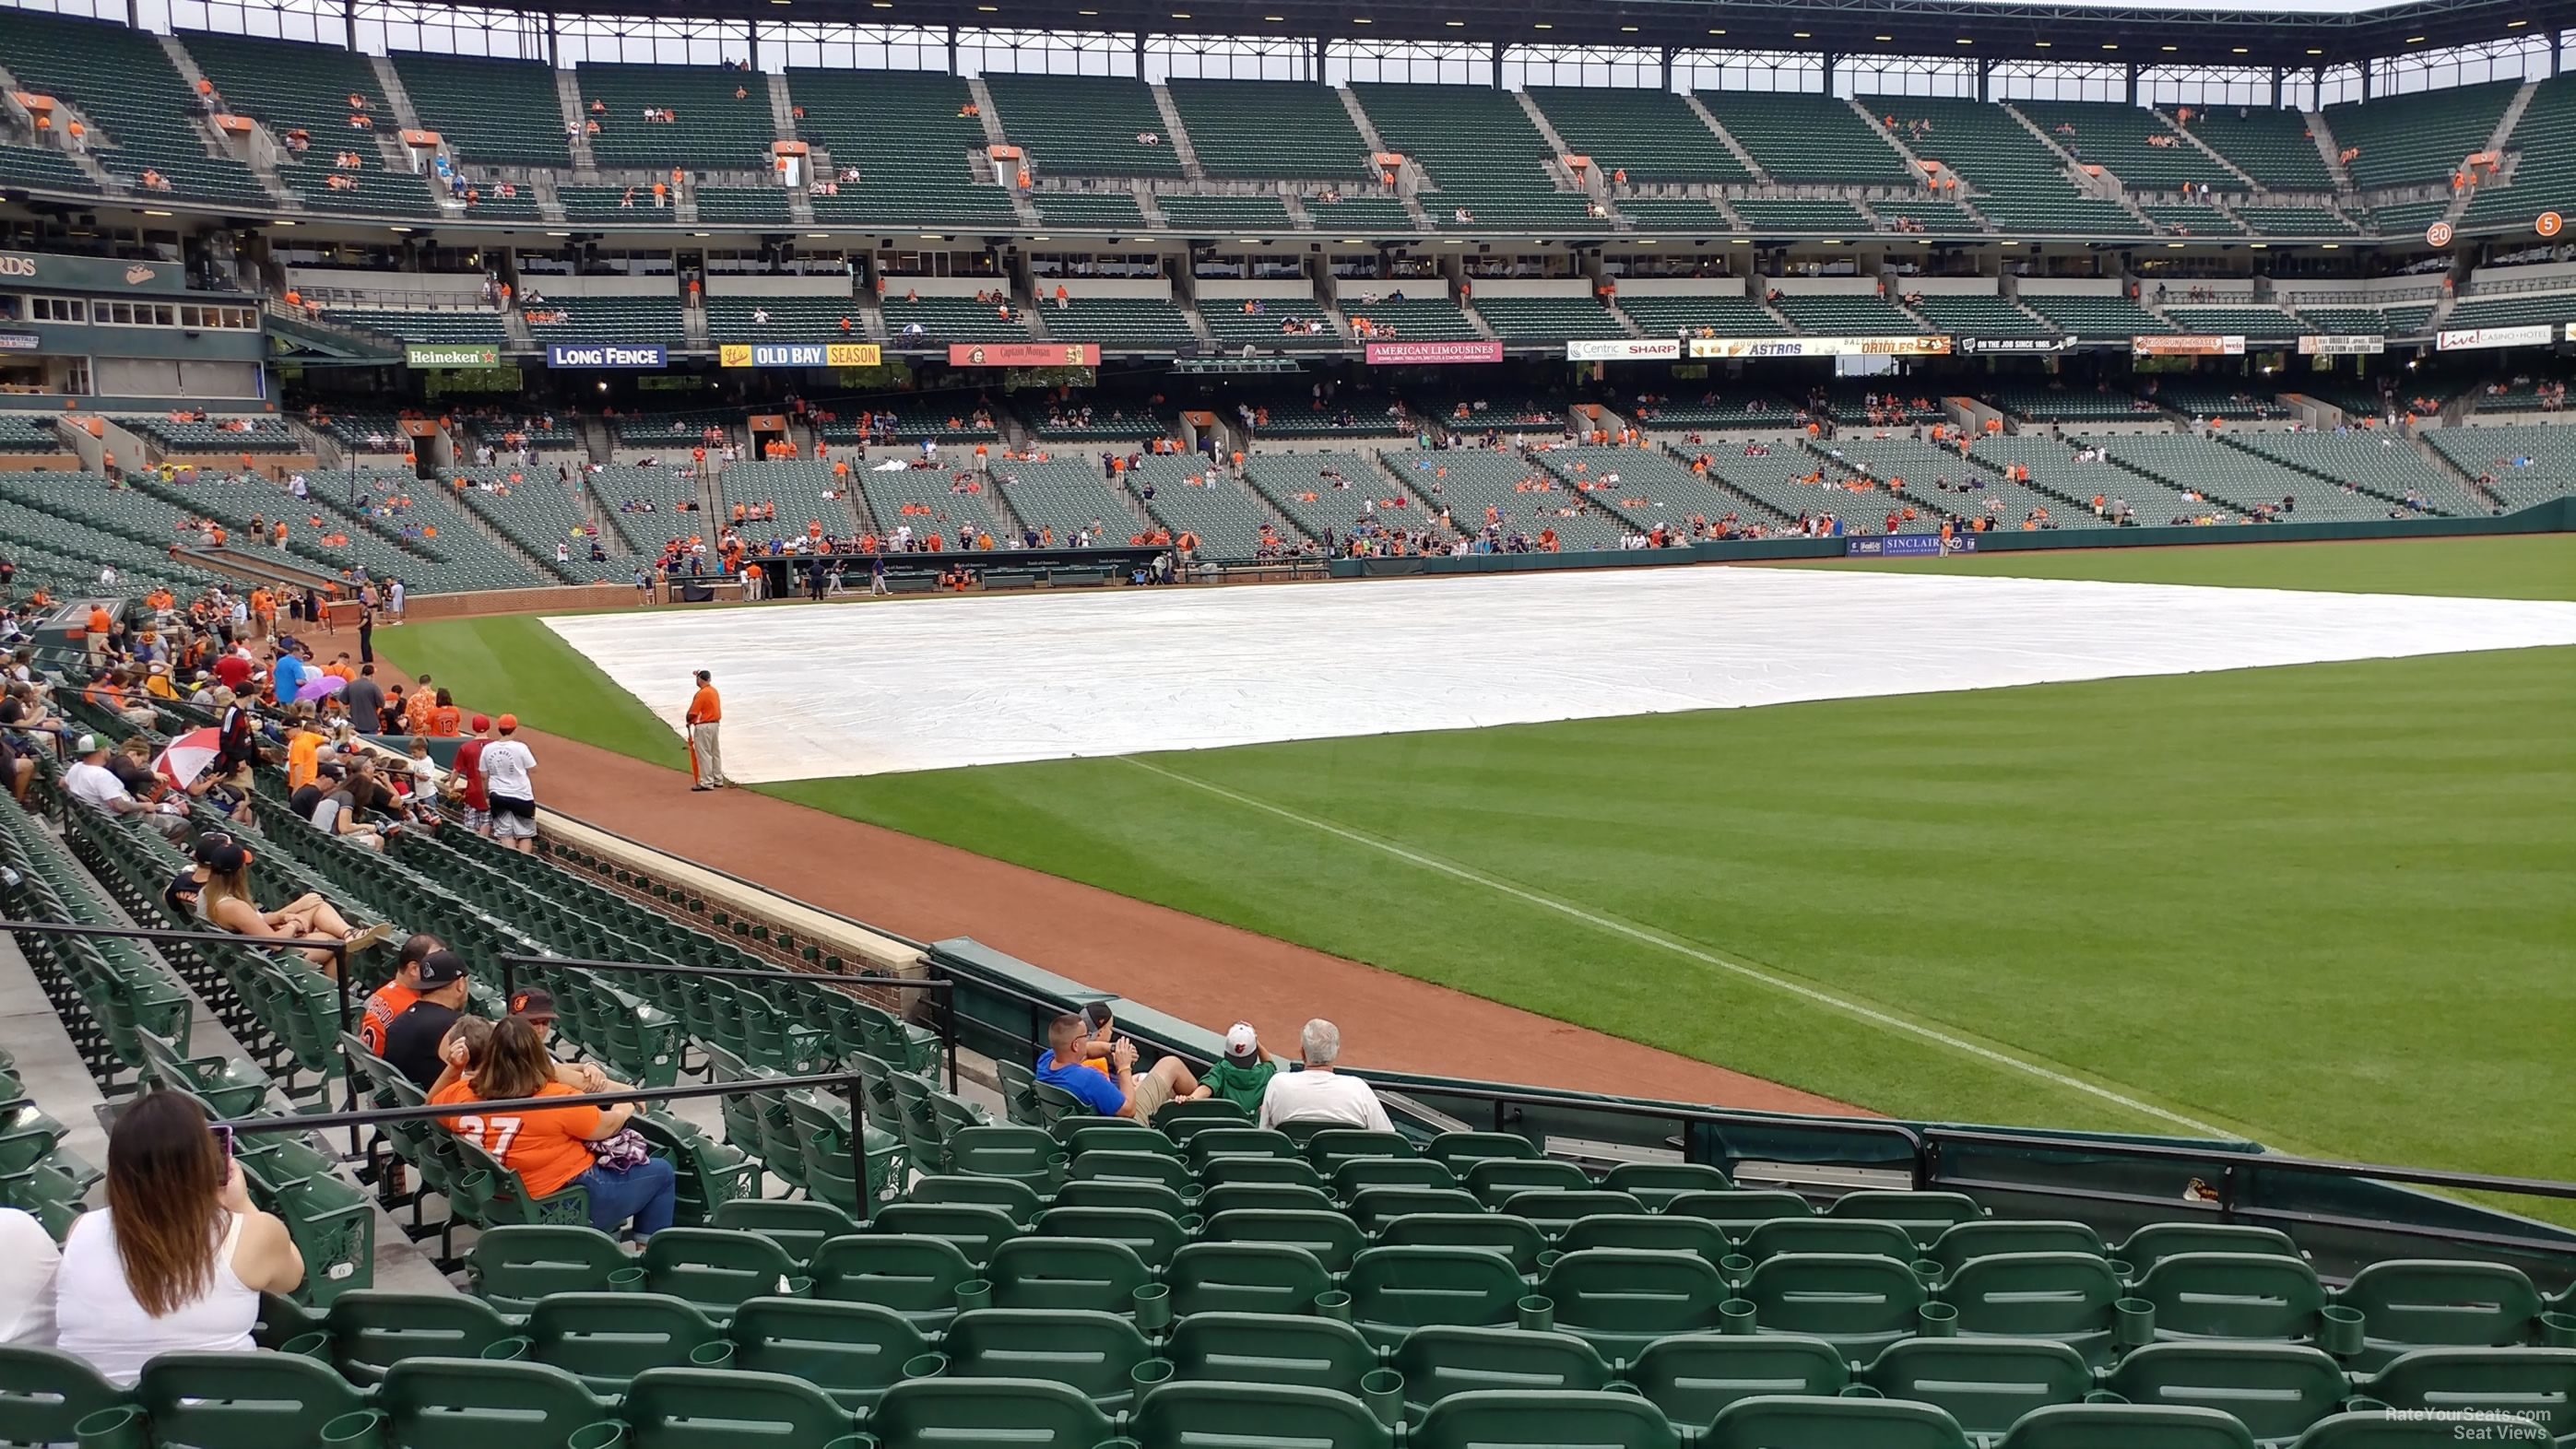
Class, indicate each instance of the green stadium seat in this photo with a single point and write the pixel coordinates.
(45, 1392)
(1066, 1273)
(714, 1270)
(1207, 1145)
(515, 1264)
(1396, 1290)
(1270, 130)
(1355, 1174)
(2127, 1426)
(1374, 1207)
(1462, 1149)
(2374, 1430)
(1650, 134)
(1693, 1377)
(1254, 1416)
(1212, 1277)
(1152, 1236)
(2409, 1303)
(2233, 1295)
(2420, 137)
(988, 1414)
(702, 1408)
(852, 1351)
(445, 1403)
(1621, 1299)
(1656, 1184)
(2272, 146)
(1496, 1418)
(2068, 1297)
(605, 1339)
(916, 1276)
(1316, 1352)
(371, 1331)
(1517, 1239)
(1987, 1237)
(800, 1228)
(1985, 1383)
(1333, 1239)
(1857, 1302)
(1923, 1213)
(1737, 1213)
(2276, 1390)
(975, 1230)
(1017, 1199)
(2538, 1383)
(1650, 1232)
(1440, 1361)
(1095, 1354)
(1802, 138)
(1495, 1180)
(1827, 1235)
(1130, 1192)
(1773, 1421)
(254, 1400)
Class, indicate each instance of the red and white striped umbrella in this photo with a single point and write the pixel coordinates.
(187, 757)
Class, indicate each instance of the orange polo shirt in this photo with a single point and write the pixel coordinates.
(703, 708)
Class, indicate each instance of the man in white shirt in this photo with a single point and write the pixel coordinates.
(505, 764)
(1319, 1093)
(90, 782)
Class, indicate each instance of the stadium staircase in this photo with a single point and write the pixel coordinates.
(1178, 137)
(1914, 162)
(2499, 141)
(2208, 152)
(2330, 150)
(2115, 191)
(585, 162)
(1733, 145)
(390, 86)
(216, 148)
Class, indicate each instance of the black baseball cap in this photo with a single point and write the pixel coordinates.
(535, 1003)
(440, 968)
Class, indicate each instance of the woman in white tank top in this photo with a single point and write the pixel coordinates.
(178, 1259)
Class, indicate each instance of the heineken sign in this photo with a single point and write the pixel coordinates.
(450, 355)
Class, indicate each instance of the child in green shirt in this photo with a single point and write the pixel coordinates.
(1245, 1072)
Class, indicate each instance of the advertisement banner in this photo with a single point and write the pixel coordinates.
(607, 354)
(2477, 337)
(93, 274)
(2346, 345)
(1626, 349)
(425, 354)
(1384, 354)
(2202, 345)
(1908, 545)
(799, 354)
(20, 342)
(1024, 354)
(2015, 344)
(1820, 347)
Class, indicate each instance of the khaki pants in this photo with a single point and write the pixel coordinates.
(706, 765)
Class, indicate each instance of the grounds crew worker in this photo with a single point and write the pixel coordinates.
(706, 767)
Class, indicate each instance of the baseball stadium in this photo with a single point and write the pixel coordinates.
(1667, 724)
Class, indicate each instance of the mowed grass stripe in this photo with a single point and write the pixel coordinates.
(2326, 906)
(1874, 1016)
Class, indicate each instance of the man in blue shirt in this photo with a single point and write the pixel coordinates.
(288, 675)
(1132, 1094)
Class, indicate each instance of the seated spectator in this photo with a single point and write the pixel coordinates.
(1122, 1091)
(340, 811)
(177, 1259)
(395, 997)
(225, 902)
(552, 1148)
(92, 783)
(1319, 1093)
(28, 1261)
(413, 1040)
(1244, 1074)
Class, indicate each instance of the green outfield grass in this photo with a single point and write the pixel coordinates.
(2329, 907)
(2506, 566)
(514, 662)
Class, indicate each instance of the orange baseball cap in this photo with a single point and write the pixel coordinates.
(508, 722)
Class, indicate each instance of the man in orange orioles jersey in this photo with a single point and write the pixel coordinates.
(706, 766)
